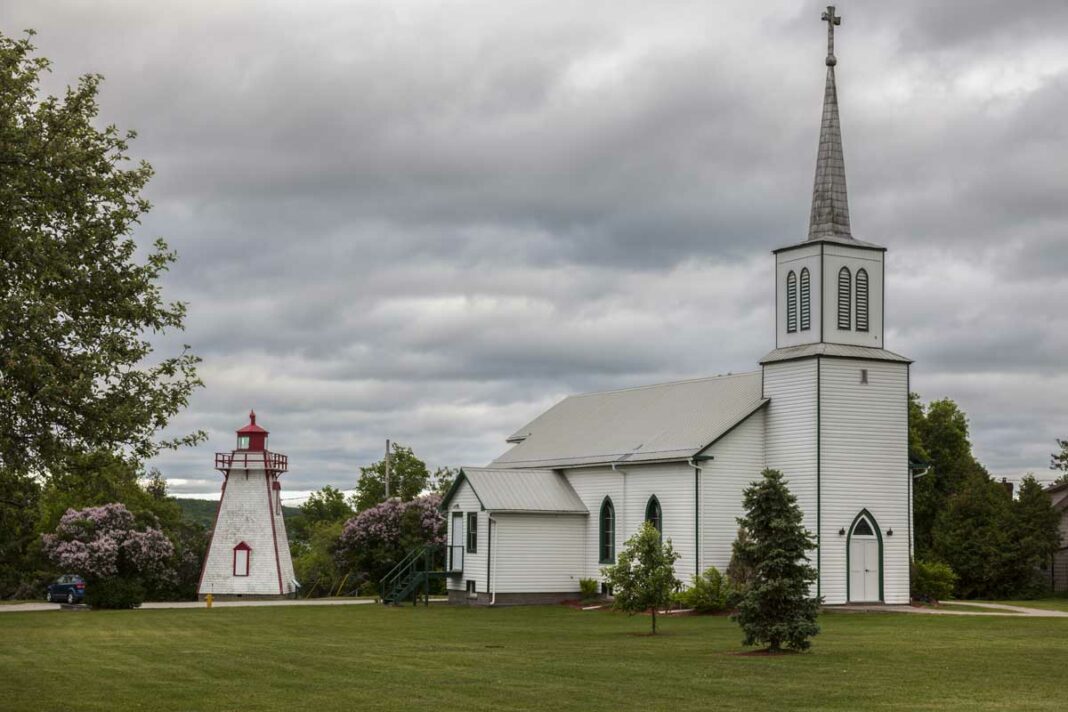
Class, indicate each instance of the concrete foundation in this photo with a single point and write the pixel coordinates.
(462, 598)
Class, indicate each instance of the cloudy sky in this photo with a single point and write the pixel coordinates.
(432, 220)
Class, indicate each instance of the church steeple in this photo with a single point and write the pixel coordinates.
(830, 206)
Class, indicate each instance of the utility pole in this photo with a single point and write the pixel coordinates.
(387, 468)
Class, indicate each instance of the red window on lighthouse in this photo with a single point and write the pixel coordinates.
(242, 555)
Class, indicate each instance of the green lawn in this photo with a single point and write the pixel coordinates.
(539, 658)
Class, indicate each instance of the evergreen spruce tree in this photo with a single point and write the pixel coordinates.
(777, 608)
(643, 578)
(1038, 534)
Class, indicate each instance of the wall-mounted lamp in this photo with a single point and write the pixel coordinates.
(841, 532)
(889, 532)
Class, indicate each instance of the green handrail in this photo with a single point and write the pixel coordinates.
(409, 574)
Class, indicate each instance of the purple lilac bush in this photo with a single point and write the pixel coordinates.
(101, 543)
(373, 541)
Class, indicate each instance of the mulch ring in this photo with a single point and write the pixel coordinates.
(580, 605)
(764, 653)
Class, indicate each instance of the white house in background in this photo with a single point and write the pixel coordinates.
(1059, 566)
(248, 556)
(828, 407)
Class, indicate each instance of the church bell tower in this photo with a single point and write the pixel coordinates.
(837, 424)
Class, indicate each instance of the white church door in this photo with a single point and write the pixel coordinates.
(865, 561)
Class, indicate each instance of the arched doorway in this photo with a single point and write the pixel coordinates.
(865, 560)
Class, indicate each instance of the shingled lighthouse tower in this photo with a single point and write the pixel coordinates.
(249, 552)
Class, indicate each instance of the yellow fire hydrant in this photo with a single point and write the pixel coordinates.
(208, 599)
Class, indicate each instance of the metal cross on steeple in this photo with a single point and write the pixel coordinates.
(831, 19)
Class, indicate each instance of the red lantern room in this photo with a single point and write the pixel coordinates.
(252, 437)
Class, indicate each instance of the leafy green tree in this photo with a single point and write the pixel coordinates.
(408, 478)
(643, 577)
(1059, 461)
(442, 480)
(22, 568)
(326, 505)
(975, 535)
(77, 307)
(316, 563)
(776, 608)
(938, 435)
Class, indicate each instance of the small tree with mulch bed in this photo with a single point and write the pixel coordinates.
(643, 578)
(776, 608)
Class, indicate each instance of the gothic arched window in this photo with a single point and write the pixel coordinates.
(607, 532)
(862, 299)
(806, 300)
(654, 515)
(845, 287)
(791, 302)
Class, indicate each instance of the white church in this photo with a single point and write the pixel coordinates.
(828, 407)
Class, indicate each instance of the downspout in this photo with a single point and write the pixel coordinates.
(696, 517)
(492, 558)
(697, 511)
(623, 510)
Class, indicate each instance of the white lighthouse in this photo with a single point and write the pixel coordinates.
(248, 556)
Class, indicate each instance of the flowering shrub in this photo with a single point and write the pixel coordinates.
(377, 538)
(102, 543)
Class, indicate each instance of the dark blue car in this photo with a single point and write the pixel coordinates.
(66, 588)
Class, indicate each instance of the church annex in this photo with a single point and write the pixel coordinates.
(828, 407)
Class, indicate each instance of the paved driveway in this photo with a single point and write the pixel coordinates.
(985, 609)
(21, 607)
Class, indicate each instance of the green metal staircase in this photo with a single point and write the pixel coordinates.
(413, 574)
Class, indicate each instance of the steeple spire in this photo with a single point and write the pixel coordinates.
(830, 207)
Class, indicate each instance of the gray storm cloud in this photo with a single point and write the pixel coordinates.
(431, 221)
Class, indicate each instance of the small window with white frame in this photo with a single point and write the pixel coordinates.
(242, 559)
(471, 591)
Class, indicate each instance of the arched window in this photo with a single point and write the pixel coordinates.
(862, 299)
(806, 300)
(845, 287)
(863, 528)
(608, 532)
(791, 302)
(654, 515)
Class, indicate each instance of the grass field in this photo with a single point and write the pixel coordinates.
(538, 658)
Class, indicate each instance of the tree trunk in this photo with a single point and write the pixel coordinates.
(653, 609)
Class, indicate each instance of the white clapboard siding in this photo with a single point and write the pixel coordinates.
(864, 465)
(592, 485)
(537, 553)
(245, 515)
(835, 257)
(738, 460)
(465, 501)
(791, 429)
(285, 559)
(673, 485)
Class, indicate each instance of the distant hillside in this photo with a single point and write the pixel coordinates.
(202, 511)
